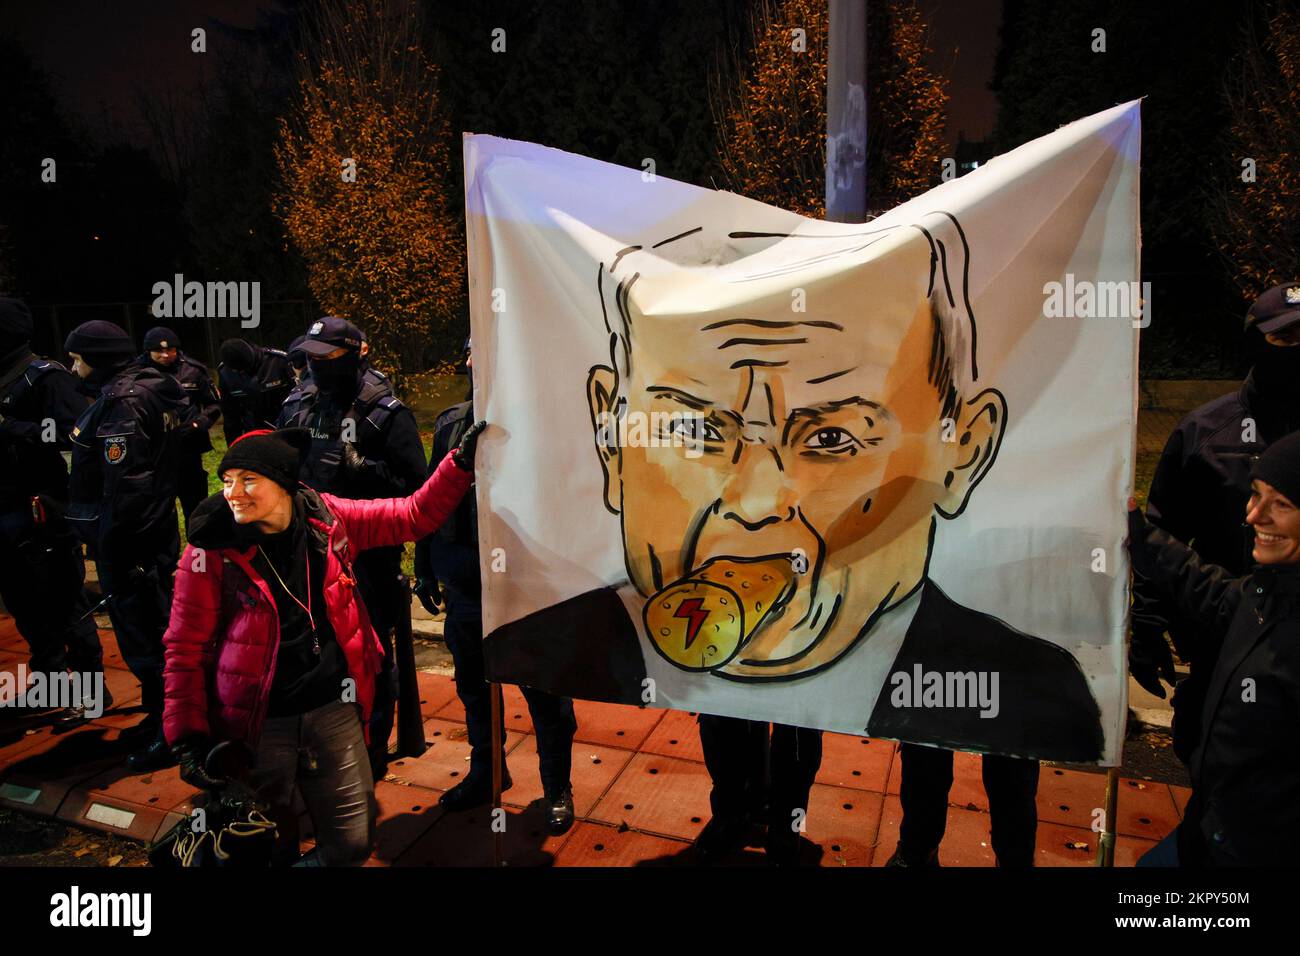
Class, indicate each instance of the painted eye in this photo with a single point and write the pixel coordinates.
(694, 429)
(831, 439)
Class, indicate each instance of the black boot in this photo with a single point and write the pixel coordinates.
(474, 791)
(559, 811)
(156, 756)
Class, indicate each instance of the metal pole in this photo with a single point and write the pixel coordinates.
(1106, 845)
(498, 744)
(846, 112)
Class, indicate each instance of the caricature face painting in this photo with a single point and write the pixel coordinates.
(817, 446)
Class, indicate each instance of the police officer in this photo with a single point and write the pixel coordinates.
(757, 777)
(125, 455)
(162, 352)
(365, 444)
(1199, 493)
(450, 556)
(41, 569)
(253, 382)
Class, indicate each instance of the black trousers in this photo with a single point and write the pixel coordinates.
(1010, 782)
(138, 586)
(42, 578)
(751, 776)
(377, 582)
(191, 482)
(553, 717)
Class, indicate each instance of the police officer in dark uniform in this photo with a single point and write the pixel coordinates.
(1199, 493)
(162, 352)
(298, 360)
(253, 382)
(365, 444)
(450, 557)
(758, 776)
(126, 447)
(41, 569)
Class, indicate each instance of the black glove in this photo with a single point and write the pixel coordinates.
(430, 595)
(1150, 660)
(192, 754)
(463, 456)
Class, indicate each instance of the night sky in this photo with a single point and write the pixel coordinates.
(100, 53)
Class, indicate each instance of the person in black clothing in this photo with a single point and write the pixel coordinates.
(757, 777)
(297, 359)
(162, 352)
(42, 574)
(365, 444)
(253, 382)
(123, 504)
(1199, 493)
(450, 557)
(1245, 803)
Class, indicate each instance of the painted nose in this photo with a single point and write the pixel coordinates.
(758, 494)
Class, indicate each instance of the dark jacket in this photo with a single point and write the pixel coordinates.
(450, 554)
(1245, 765)
(252, 401)
(1198, 495)
(124, 463)
(203, 396)
(587, 647)
(32, 391)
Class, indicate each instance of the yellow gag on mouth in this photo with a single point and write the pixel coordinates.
(700, 623)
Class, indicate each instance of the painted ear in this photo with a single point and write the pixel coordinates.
(602, 391)
(983, 423)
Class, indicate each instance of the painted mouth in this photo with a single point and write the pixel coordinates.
(701, 622)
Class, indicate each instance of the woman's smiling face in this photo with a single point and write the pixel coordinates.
(1276, 521)
(251, 497)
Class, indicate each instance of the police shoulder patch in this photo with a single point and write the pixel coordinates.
(115, 449)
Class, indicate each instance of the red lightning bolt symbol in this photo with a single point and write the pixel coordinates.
(691, 610)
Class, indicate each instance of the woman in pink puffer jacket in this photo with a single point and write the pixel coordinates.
(269, 642)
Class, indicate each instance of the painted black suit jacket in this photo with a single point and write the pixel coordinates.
(587, 647)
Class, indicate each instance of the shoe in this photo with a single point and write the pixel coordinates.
(559, 812)
(721, 836)
(156, 756)
(782, 846)
(71, 717)
(474, 791)
(929, 862)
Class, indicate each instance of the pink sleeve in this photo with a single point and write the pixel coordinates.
(195, 615)
(379, 523)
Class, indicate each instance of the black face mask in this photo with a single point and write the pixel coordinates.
(1277, 371)
(94, 383)
(338, 376)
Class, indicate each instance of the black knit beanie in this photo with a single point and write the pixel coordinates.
(1279, 466)
(160, 337)
(238, 354)
(100, 343)
(273, 454)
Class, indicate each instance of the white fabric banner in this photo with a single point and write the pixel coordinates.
(867, 478)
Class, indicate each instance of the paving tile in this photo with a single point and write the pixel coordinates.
(1069, 797)
(595, 845)
(965, 842)
(660, 795)
(857, 762)
(1128, 850)
(1145, 809)
(1060, 845)
(162, 789)
(615, 725)
(1181, 795)
(436, 692)
(676, 735)
(594, 769)
(842, 825)
(467, 839)
(446, 761)
(514, 713)
(54, 765)
(405, 814)
(112, 814)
